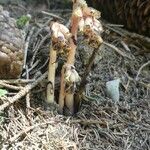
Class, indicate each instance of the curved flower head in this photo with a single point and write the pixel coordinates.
(60, 38)
(92, 38)
(59, 31)
(90, 26)
(71, 75)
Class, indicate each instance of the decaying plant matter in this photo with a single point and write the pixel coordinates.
(85, 20)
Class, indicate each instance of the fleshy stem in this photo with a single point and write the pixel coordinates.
(67, 96)
(51, 75)
(81, 89)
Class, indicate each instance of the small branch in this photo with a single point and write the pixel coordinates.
(37, 47)
(145, 41)
(30, 69)
(126, 47)
(140, 82)
(40, 68)
(144, 65)
(22, 92)
(17, 81)
(28, 95)
(83, 80)
(26, 47)
(117, 50)
(52, 15)
(3, 84)
(89, 122)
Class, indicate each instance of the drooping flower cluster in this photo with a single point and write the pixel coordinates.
(89, 25)
(60, 38)
(71, 75)
(60, 43)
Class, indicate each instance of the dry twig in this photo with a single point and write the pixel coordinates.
(22, 92)
(6, 85)
(144, 65)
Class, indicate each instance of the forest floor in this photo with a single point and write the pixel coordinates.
(100, 124)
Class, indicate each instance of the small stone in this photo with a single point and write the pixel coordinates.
(112, 88)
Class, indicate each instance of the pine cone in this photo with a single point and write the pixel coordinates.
(11, 47)
(134, 14)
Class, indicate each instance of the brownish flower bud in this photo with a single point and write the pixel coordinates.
(92, 38)
(60, 38)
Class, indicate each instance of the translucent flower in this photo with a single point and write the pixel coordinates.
(59, 31)
(71, 75)
(60, 38)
